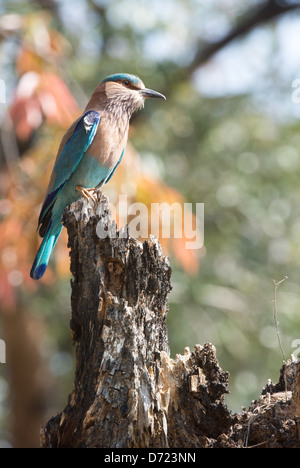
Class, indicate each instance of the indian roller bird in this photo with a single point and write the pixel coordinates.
(88, 155)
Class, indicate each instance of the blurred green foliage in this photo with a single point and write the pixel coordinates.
(228, 137)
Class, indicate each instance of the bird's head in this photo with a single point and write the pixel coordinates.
(128, 90)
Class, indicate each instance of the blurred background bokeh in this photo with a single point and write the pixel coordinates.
(228, 136)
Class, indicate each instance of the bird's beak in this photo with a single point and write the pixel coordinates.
(149, 93)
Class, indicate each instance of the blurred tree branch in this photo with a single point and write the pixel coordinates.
(264, 13)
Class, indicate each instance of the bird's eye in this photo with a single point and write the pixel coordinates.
(126, 82)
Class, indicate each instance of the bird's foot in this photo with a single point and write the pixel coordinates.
(88, 193)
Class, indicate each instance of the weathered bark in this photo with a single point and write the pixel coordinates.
(128, 392)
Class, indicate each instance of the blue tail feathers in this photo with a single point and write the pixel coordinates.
(42, 257)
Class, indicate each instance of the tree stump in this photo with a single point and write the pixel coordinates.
(128, 391)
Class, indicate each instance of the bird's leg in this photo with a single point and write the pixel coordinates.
(88, 193)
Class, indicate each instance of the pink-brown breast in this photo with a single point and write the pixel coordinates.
(112, 133)
(109, 141)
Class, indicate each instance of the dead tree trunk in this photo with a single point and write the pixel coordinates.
(128, 392)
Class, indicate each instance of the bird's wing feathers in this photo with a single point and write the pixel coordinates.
(69, 156)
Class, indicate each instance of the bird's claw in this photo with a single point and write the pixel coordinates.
(87, 193)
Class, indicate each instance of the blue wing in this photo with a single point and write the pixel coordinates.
(68, 161)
